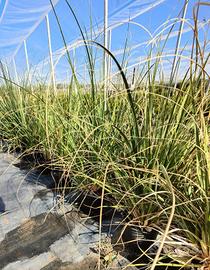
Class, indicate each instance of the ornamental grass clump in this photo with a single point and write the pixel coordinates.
(146, 152)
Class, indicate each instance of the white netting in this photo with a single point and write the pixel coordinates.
(121, 13)
(23, 33)
(18, 20)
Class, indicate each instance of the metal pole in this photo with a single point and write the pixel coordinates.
(67, 80)
(106, 46)
(26, 56)
(109, 58)
(85, 69)
(74, 70)
(85, 87)
(15, 70)
(175, 65)
(50, 53)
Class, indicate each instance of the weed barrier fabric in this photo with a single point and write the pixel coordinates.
(36, 235)
(18, 200)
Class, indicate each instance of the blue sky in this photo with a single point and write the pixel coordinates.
(37, 42)
(1, 5)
